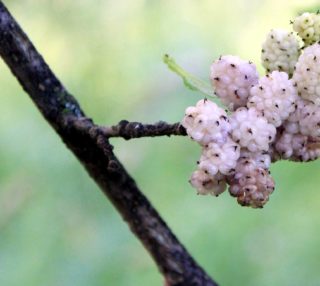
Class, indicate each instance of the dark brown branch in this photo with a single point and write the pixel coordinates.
(94, 151)
(130, 130)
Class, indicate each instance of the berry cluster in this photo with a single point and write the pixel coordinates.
(274, 117)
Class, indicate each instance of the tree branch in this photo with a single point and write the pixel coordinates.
(92, 148)
(130, 130)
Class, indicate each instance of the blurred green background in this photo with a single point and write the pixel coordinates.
(56, 227)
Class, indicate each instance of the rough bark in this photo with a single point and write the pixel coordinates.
(90, 145)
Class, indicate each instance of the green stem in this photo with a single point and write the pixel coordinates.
(189, 80)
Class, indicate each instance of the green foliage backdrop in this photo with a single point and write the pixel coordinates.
(56, 228)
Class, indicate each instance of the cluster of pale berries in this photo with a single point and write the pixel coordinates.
(273, 117)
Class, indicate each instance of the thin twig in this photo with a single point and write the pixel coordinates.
(129, 130)
(94, 151)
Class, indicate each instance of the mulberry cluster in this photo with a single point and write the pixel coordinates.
(209, 125)
(274, 117)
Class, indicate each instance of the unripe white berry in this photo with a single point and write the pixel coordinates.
(280, 51)
(307, 26)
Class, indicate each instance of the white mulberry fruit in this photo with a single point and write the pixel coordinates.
(280, 51)
(291, 125)
(251, 184)
(274, 96)
(207, 184)
(307, 26)
(219, 157)
(297, 147)
(304, 120)
(232, 78)
(206, 122)
(261, 159)
(309, 122)
(251, 130)
(307, 74)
